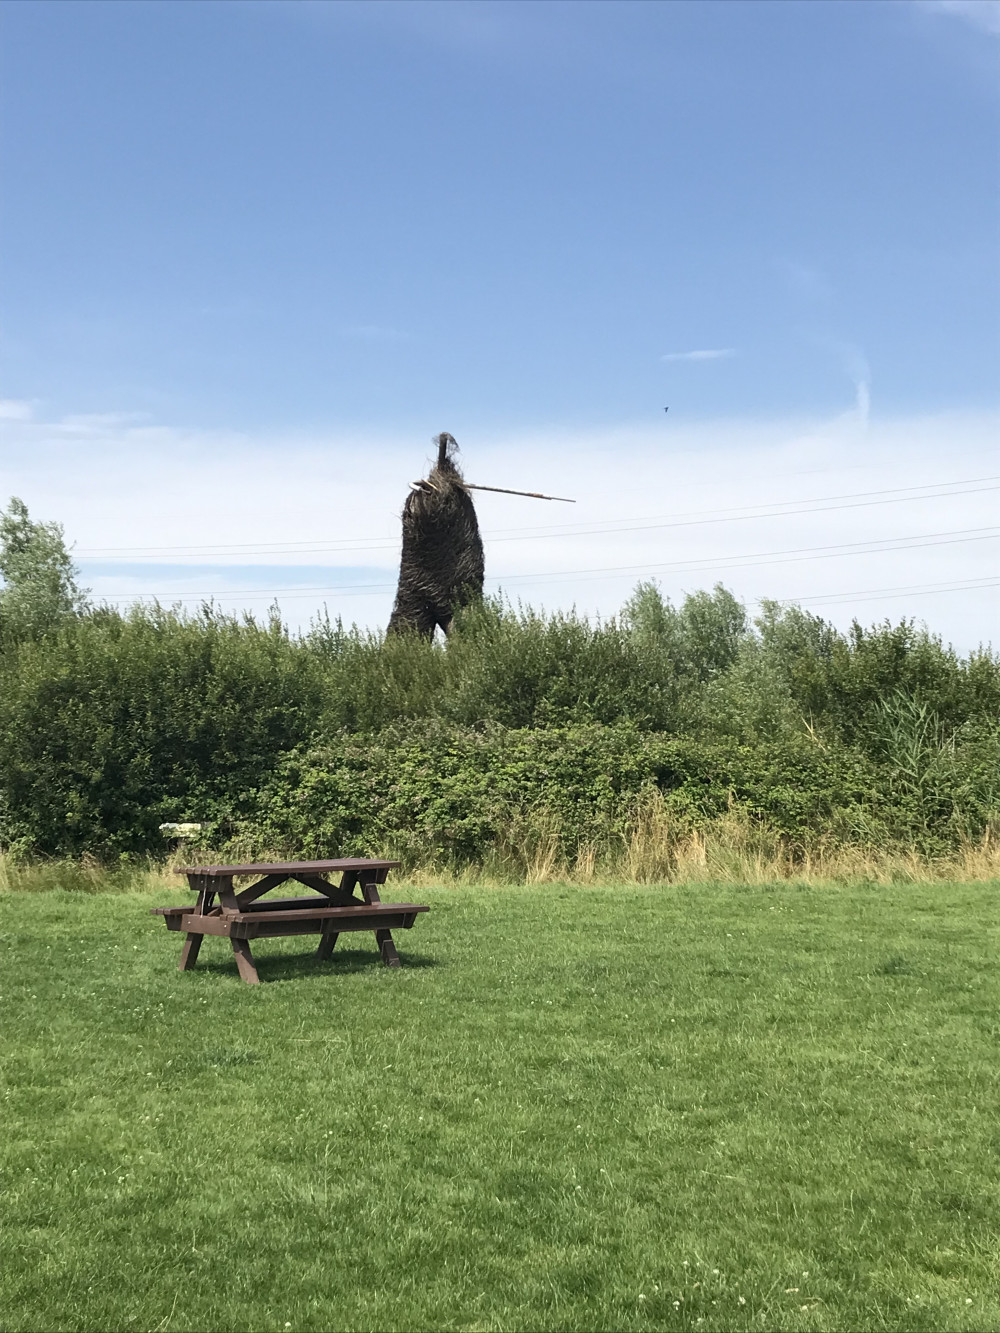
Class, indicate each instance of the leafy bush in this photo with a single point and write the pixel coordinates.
(117, 723)
(524, 727)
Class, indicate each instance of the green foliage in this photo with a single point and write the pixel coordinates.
(117, 723)
(39, 588)
(522, 727)
(451, 796)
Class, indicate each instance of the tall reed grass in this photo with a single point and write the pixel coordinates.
(733, 848)
(82, 875)
(656, 848)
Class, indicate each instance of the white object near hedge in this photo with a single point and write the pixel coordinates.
(180, 830)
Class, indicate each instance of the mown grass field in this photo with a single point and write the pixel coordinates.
(575, 1108)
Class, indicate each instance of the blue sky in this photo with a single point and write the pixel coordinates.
(255, 255)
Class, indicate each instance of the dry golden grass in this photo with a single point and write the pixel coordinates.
(658, 848)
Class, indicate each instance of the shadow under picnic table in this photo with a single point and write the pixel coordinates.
(289, 966)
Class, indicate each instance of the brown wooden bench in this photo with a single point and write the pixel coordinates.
(241, 915)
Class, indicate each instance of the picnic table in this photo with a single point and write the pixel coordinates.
(241, 915)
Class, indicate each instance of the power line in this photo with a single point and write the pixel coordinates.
(780, 557)
(868, 594)
(746, 561)
(811, 507)
(778, 509)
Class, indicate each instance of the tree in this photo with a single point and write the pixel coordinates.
(39, 589)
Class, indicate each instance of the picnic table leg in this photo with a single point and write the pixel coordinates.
(189, 951)
(327, 940)
(369, 885)
(244, 961)
(382, 937)
(388, 950)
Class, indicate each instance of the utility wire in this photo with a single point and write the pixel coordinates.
(868, 594)
(778, 509)
(702, 564)
(778, 557)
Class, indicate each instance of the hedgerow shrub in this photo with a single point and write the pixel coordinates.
(523, 723)
(437, 792)
(117, 723)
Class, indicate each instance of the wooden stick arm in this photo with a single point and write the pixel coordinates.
(531, 495)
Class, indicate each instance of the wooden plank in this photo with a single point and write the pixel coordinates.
(260, 926)
(205, 887)
(244, 962)
(197, 924)
(303, 923)
(227, 895)
(335, 892)
(212, 924)
(358, 910)
(388, 950)
(289, 867)
(171, 915)
(189, 952)
(254, 891)
(327, 943)
(293, 904)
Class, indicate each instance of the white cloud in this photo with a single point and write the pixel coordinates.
(981, 14)
(856, 364)
(15, 409)
(98, 422)
(705, 354)
(652, 501)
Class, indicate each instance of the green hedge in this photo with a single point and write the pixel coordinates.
(112, 724)
(434, 793)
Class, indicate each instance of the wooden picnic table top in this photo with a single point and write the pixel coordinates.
(289, 867)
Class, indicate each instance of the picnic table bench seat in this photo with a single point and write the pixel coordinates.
(241, 915)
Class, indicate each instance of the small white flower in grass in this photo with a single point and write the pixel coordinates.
(742, 1300)
(715, 1272)
(641, 1296)
(968, 1300)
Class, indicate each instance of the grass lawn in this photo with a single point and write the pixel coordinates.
(706, 1108)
